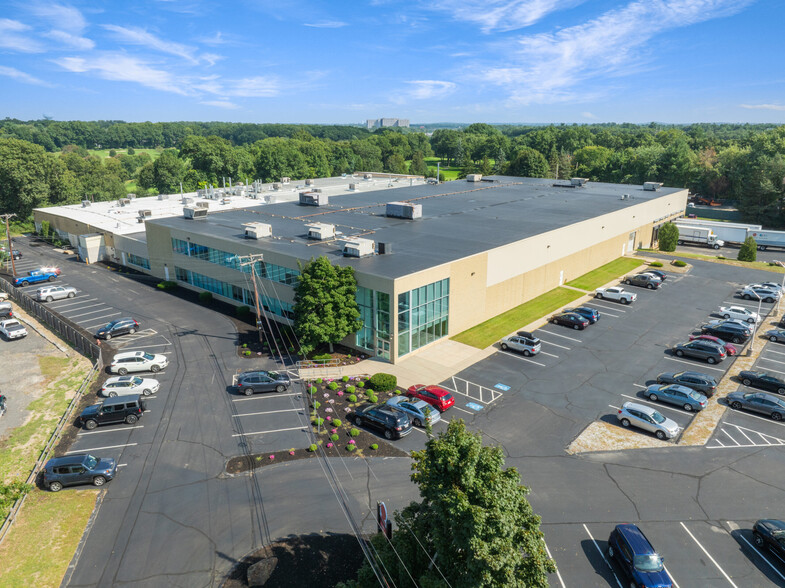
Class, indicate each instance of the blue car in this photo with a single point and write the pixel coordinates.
(419, 411)
(630, 548)
(35, 277)
(586, 312)
(682, 396)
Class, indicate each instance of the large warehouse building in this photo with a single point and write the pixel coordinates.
(430, 260)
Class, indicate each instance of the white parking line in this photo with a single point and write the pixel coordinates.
(775, 352)
(667, 571)
(70, 318)
(641, 386)
(602, 555)
(737, 303)
(754, 416)
(762, 556)
(110, 430)
(522, 358)
(462, 409)
(772, 360)
(771, 370)
(692, 363)
(658, 405)
(606, 313)
(146, 347)
(263, 397)
(558, 575)
(564, 337)
(727, 577)
(91, 324)
(267, 412)
(100, 448)
(613, 308)
(554, 344)
(56, 303)
(549, 354)
(273, 431)
(724, 430)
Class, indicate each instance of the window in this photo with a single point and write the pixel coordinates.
(138, 261)
(423, 315)
(375, 313)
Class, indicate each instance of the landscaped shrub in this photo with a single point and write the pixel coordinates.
(312, 447)
(679, 263)
(352, 398)
(373, 398)
(336, 422)
(374, 446)
(361, 384)
(354, 432)
(369, 392)
(311, 389)
(167, 285)
(205, 297)
(318, 421)
(318, 380)
(655, 264)
(334, 437)
(350, 389)
(247, 353)
(383, 382)
(322, 357)
(242, 312)
(345, 379)
(316, 405)
(333, 386)
(350, 448)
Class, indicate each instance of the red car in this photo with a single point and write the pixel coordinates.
(729, 348)
(437, 397)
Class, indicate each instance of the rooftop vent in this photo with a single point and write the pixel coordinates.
(474, 177)
(257, 230)
(131, 196)
(652, 186)
(276, 186)
(85, 203)
(354, 186)
(313, 199)
(124, 201)
(309, 182)
(320, 231)
(202, 204)
(285, 180)
(404, 210)
(194, 213)
(145, 213)
(358, 247)
(383, 248)
(625, 197)
(163, 197)
(368, 176)
(579, 182)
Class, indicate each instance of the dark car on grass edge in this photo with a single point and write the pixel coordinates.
(80, 468)
(631, 549)
(391, 421)
(120, 409)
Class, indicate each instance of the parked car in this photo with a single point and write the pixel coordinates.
(736, 324)
(616, 293)
(122, 409)
(50, 270)
(646, 418)
(761, 402)
(3, 295)
(137, 361)
(50, 293)
(739, 313)
(770, 533)
(707, 350)
(730, 349)
(34, 277)
(702, 383)
(591, 314)
(12, 329)
(659, 273)
(419, 411)
(645, 280)
(433, 395)
(517, 343)
(6, 310)
(124, 385)
(634, 553)
(16, 254)
(391, 421)
(682, 396)
(261, 381)
(123, 326)
(570, 319)
(529, 335)
(763, 381)
(769, 285)
(756, 292)
(776, 335)
(725, 332)
(79, 468)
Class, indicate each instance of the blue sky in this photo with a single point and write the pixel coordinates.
(429, 61)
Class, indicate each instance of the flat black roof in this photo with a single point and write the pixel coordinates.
(459, 219)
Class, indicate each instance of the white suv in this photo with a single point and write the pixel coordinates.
(49, 293)
(526, 345)
(119, 385)
(137, 361)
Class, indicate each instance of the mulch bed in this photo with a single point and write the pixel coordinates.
(334, 405)
(304, 560)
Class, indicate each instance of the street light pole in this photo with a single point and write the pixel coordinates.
(755, 328)
(782, 288)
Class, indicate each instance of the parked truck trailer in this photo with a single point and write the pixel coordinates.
(766, 239)
(699, 236)
(728, 232)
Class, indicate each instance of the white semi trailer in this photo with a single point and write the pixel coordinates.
(728, 232)
(699, 236)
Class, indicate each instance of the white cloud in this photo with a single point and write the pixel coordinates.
(73, 41)
(62, 16)
(14, 73)
(589, 115)
(119, 67)
(430, 89)
(216, 39)
(502, 15)
(15, 35)
(548, 67)
(221, 104)
(326, 24)
(254, 87)
(763, 106)
(138, 36)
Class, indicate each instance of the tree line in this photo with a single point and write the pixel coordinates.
(46, 163)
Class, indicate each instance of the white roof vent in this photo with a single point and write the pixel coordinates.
(314, 199)
(578, 182)
(320, 231)
(193, 213)
(85, 203)
(257, 230)
(145, 213)
(124, 201)
(652, 186)
(358, 247)
(404, 210)
(474, 178)
(285, 180)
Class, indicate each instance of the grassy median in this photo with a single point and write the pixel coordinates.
(605, 273)
(487, 333)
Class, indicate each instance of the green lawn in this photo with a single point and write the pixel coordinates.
(606, 273)
(154, 153)
(484, 334)
(450, 173)
(761, 265)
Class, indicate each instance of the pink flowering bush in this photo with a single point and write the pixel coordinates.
(329, 445)
(272, 457)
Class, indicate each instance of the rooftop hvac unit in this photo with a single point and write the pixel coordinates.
(202, 204)
(276, 186)
(316, 190)
(320, 231)
(124, 201)
(384, 248)
(131, 196)
(145, 213)
(353, 186)
(404, 210)
(358, 247)
(368, 176)
(579, 181)
(194, 213)
(85, 203)
(286, 180)
(625, 197)
(258, 230)
(188, 201)
(163, 197)
(309, 182)
(313, 199)
(474, 178)
(226, 200)
(652, 186)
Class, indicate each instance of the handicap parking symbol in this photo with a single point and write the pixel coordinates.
(502, 387)
(474, 406)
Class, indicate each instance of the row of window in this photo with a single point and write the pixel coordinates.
(271, 305)
(422, 315)
(375, 313)
(138, 261)
(270, 271)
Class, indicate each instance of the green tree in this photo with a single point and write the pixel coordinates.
(748, 250)
(168, 172)
(418, 167)
(668, 237)
(395, 164)
(325, 308)
(474, 520)
(528, 163)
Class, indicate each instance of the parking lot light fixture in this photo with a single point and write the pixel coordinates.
(755, 325)
(782, 288)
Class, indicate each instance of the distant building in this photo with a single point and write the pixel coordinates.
(375, 123)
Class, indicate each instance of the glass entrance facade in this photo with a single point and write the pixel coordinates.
(423, 315)
(375, 314)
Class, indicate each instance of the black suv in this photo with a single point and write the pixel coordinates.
(700, 349)
(394, 423)
(726, 332)
(119, 327)
(6, 310)
(770, 533)
(262, 381)
(704, 384)
(121, 409)
(75, 469)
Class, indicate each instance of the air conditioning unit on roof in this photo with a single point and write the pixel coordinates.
(258, 230)
(579, 181)
(358, 247)
(314, 199)
(404, 210)
(652, 186)
(194, 213)
(320, 231)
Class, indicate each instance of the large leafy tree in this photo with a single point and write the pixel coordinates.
(668, 237)
(528, 163)
(325, 308)
(747, 251)
(473, 521)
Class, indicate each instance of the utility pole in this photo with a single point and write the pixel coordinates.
(251, 260)
(8, 236)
